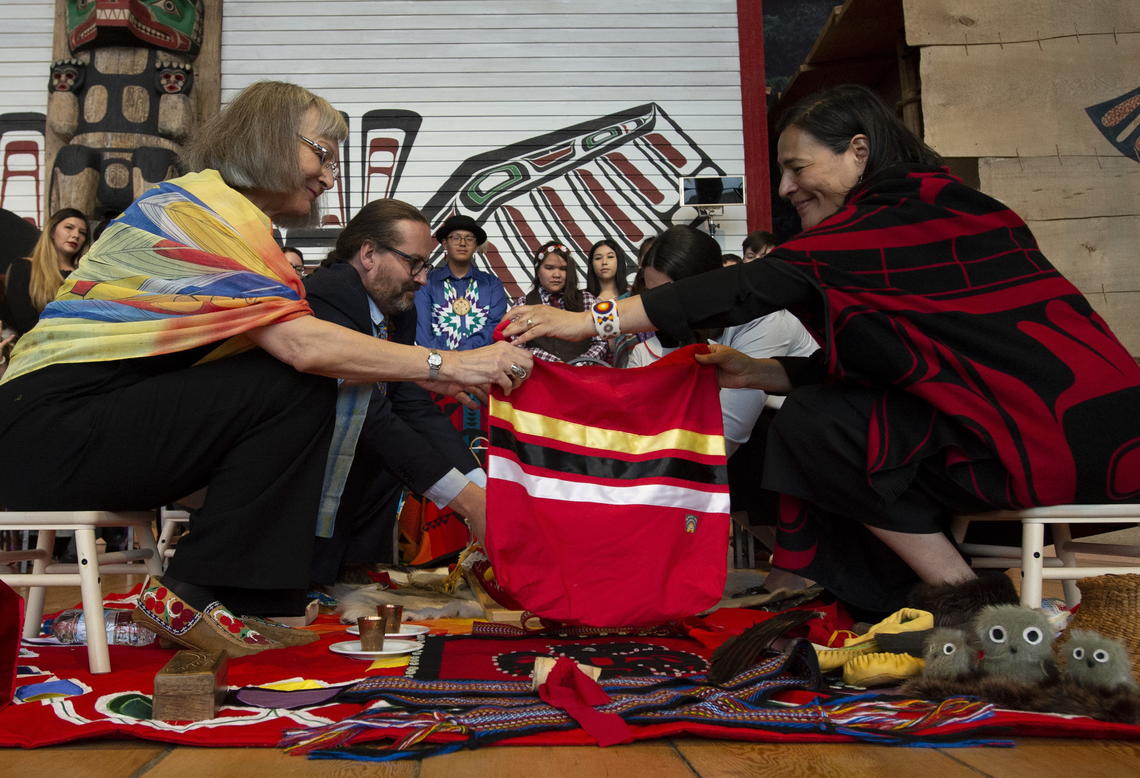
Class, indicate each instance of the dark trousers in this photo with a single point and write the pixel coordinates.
(365, 522)
(250, 428)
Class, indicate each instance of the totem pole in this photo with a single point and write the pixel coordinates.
(121, 103)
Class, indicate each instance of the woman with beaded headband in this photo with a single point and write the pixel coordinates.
(556, 284)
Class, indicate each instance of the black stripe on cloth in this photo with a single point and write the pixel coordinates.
(608, 467)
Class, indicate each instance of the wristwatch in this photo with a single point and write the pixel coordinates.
(435, 362)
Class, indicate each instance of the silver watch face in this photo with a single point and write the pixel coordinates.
(435, 360)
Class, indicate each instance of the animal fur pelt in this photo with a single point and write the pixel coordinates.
(955, 605)
(1121, 704)
(418, 603)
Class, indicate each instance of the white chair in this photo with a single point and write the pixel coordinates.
(85, 573)
(170, 519)
(1030, 557)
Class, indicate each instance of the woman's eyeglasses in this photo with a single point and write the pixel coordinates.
(415, 264)
(322, 153)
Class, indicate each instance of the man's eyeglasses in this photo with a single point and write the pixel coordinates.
(460, 239)
(322, 153)
(415, 264)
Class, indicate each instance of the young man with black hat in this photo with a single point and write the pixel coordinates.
(459, 306)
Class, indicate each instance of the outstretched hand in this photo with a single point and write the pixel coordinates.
(740, 371)
(467, 375)
(528, 322)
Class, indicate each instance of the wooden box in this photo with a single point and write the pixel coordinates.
(190, 687)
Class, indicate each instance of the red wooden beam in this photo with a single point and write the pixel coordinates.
(754, 113)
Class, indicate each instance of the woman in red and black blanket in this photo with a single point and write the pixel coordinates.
(959, 372)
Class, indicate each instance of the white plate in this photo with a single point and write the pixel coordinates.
(406, 630)
(391, 648)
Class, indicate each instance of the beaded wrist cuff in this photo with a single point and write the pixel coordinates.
(606, 318)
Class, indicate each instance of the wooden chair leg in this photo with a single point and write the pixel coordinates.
(1032, 562)
(1062, 537)
(34, 605)
(146, 540)
(98, 658)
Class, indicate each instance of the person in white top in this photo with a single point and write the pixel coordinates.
(682, 252)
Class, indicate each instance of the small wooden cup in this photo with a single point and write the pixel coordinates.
(371, 633)
(393, 616)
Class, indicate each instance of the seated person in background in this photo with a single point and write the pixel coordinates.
(460, 305)
(757, 245)
(729, 259)
(405, 439)
(556, 284)
(681, 252)
(606, 271)
(33, 282)
(296, 259)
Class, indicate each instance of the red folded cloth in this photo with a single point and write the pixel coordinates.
(569, 689)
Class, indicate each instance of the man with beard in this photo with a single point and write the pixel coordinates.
(459, 306)
(369, 283)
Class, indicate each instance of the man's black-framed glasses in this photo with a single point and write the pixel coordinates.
(415, 264)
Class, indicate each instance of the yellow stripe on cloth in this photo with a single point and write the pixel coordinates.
(608, 440)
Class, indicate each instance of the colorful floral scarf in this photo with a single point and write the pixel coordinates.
(190, 263)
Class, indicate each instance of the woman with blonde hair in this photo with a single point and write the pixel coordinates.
(182, 354)
(33, 282)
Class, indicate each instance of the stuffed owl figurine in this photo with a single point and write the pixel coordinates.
(1097, 662)
(1016, 643)
(948, 656)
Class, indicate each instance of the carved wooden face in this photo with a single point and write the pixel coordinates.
(170, 25)
(174, 78)
(67, 76)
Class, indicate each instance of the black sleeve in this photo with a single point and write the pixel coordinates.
(404, 451)
(413, 404)
(726, 297)
(811, 369)
(22, 312)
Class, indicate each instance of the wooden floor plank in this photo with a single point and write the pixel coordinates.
(1033, 758)
(720, 759)
(186, 762)
(654, 759)
(103, 759)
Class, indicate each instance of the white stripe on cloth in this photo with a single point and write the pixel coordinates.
(658, 495)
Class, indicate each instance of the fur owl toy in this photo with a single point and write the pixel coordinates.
(948, 655)
(1097, 662)
(1017, 644)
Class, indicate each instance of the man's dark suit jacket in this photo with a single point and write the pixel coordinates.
(405, 438)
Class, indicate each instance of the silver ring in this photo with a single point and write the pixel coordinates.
(519, 372)
(529, 323)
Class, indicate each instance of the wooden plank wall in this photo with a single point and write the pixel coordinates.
(1008, 84)
(485, 74)
(25, 64)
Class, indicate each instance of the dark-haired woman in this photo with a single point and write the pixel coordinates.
(683, 252)
(606, 271)
(556, 285)
(959, 370)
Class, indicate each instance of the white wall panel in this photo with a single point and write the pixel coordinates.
(486, 79)
(25, 64)
(499, 80)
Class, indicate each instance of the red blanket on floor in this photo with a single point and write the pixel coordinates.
(77, 705)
